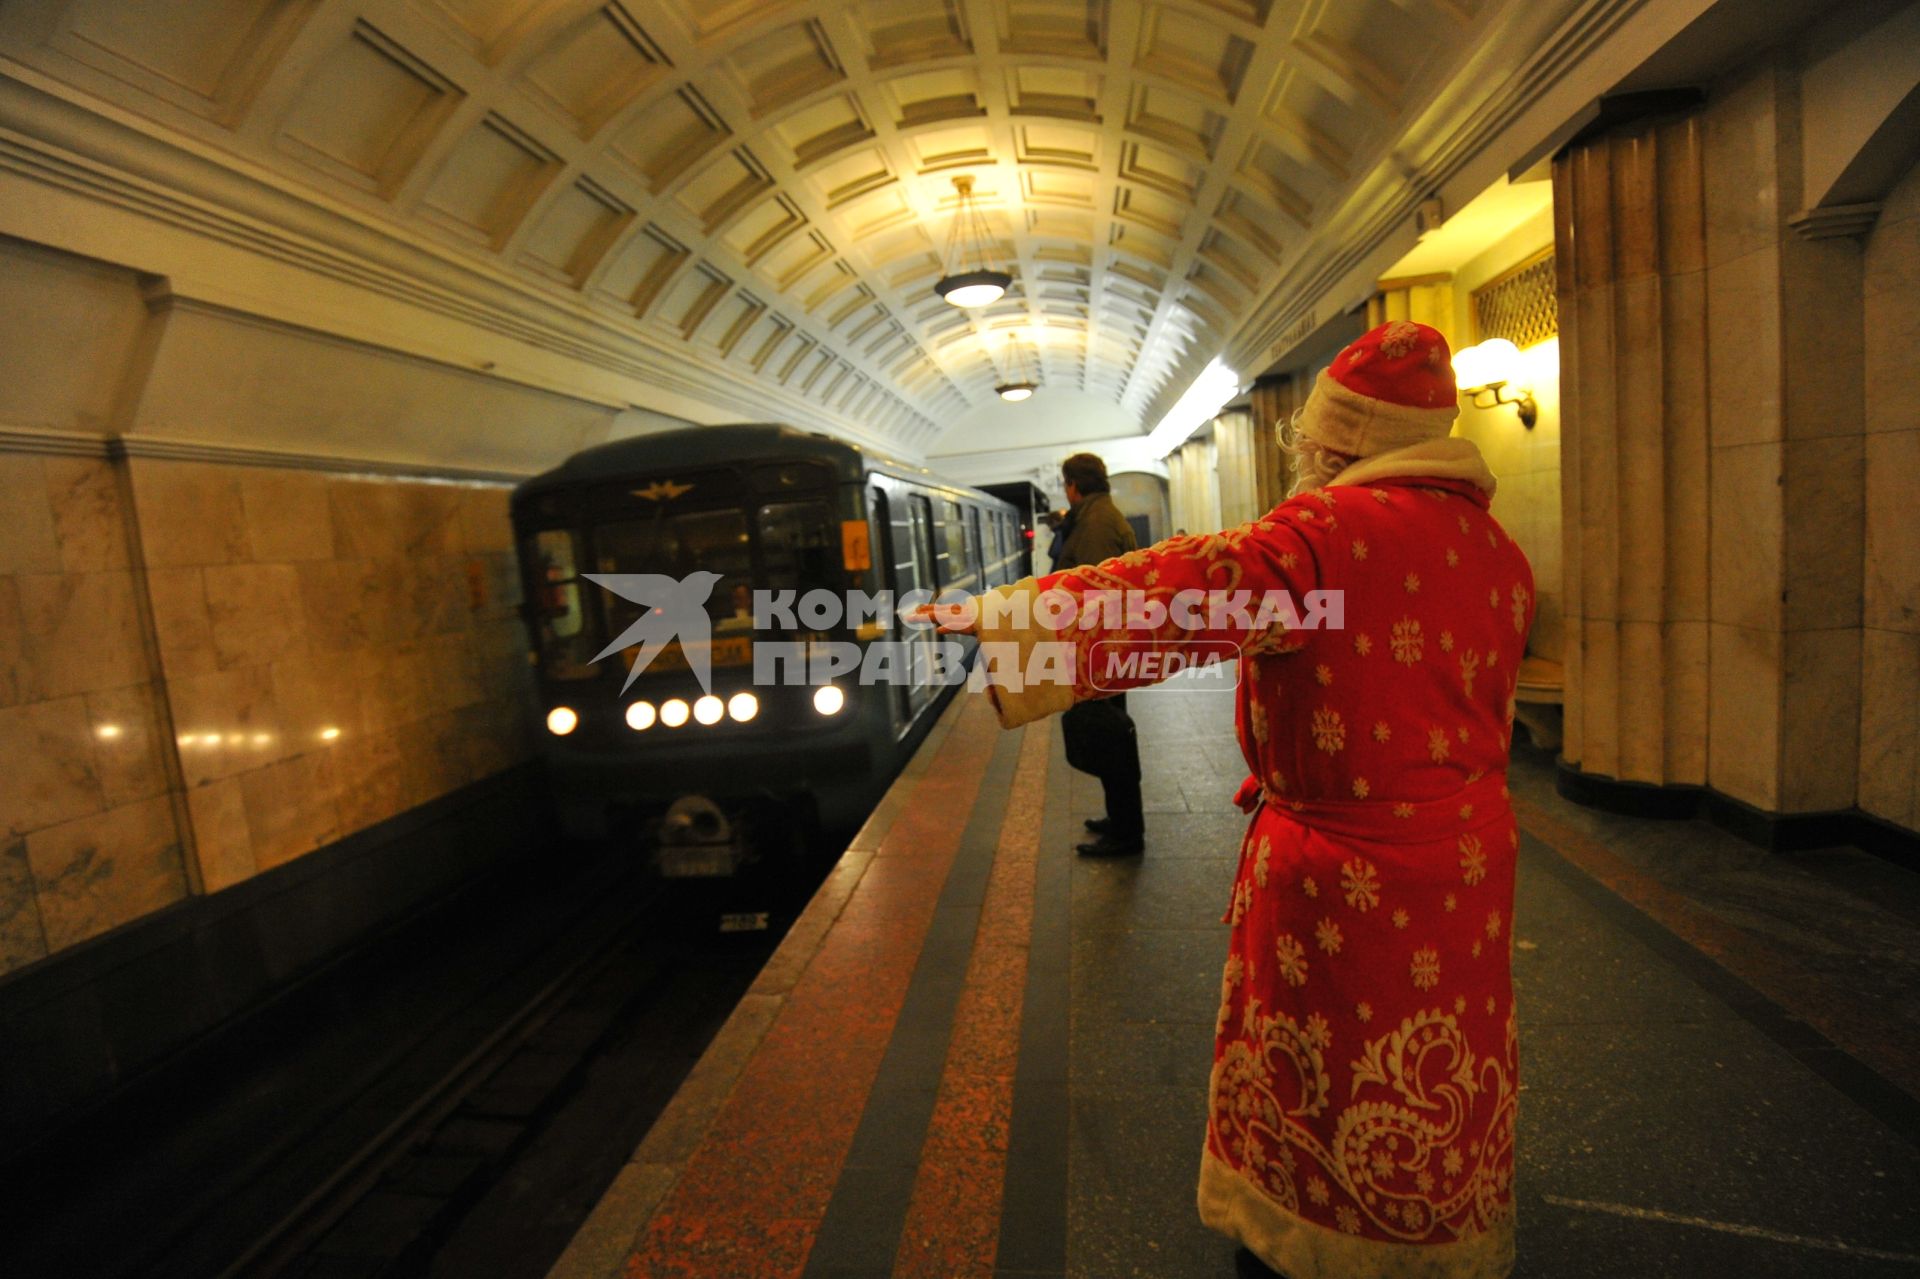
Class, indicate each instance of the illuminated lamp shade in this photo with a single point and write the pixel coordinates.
(967, 279)
(974, 288)
(1486, 370)
(1022, 373)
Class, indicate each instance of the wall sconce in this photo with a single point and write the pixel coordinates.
(968, 278)
(1489, 368)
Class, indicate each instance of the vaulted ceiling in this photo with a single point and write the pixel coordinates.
(763, 189)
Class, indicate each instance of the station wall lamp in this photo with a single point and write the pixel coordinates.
(1488, 369)
(967, 278)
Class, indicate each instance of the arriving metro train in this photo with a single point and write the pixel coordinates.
(758, 508)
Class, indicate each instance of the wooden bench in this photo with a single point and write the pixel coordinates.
(1541, 686)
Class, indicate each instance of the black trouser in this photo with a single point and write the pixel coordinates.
(1117, 753)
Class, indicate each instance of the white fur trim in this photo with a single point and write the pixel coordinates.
(1450, 458)
(1360, 426)
(1301, 1249)
(1022, 706)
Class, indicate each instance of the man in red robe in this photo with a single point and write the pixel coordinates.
(1365, 1073)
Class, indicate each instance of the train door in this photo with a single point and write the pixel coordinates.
(979, 551)
(921, 564)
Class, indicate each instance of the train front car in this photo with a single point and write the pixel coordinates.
(685, 530)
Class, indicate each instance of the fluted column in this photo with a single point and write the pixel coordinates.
(1273, 403)
(1630, 246)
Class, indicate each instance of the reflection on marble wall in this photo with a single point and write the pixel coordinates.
(91, 839)
(313, 654)
(1890, 636)
(337, 649)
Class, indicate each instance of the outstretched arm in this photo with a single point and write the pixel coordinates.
(1101, 629)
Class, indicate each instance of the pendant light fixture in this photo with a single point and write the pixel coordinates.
(1022, 375)
(968, 279)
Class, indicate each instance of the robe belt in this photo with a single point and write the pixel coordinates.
(1388, 821)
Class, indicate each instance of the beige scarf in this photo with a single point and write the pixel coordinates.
(1449, 458)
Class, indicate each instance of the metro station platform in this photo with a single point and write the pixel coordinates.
(976, 1054)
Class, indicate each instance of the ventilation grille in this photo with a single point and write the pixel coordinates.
(1519, 306)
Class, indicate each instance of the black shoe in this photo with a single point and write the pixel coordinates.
(1111, 845)
(1100, 825)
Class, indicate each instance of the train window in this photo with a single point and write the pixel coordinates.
(788, 476)
(959, 551)
(973, 536)
(565, 650)
(799, 546)
(677, 545)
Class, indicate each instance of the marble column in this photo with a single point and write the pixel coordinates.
(1273, 402)
(1630, 247)
(1713, 477)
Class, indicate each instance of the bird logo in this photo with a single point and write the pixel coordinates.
(672, 608)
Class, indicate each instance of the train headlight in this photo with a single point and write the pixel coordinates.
(640, 716)
(828, 699)
(561, 720)
(673, 713)
(743, 706)
(709, 710)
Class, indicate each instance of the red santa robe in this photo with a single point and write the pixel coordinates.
(1365, 1074)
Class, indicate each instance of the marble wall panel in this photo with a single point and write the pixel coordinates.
(223, 843)
(128, 735)
(1744, 369)
(28, 542)
(50, 776)
(1743, 734)
(89, 514)
(1748, 540)
(290, 807)
(22, 940)
(106, 869)
(1821, 296)
(1892, 546)
(289, 516)
(1892, 335)
(1820, 738)
(1740, 151)
(190, 513)
(1686, 685)
(80, 632)
(1890, 726)
(1824, 494)
(13, 644)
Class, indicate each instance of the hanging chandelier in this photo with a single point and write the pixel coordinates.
(967, 278)
(1022, 375)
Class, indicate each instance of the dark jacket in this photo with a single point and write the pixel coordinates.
(1093, 531)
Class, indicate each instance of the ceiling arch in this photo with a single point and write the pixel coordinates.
(765, 187)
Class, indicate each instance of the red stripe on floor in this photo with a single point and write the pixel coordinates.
(750, 1201)
(953, 1217)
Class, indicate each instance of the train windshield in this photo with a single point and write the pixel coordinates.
(676, 545)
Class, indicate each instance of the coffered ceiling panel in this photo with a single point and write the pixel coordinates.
(764, 189)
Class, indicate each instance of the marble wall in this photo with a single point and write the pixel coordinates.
(1526, 462)
(214, 669)
(92, 839)
(1890, 636)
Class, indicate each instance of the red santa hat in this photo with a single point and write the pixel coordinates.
(1391, 388)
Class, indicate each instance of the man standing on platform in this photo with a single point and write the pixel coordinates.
(1365, 1071)
(1100, 735)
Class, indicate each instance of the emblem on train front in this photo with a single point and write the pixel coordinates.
(662, 490)
(671, 608)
